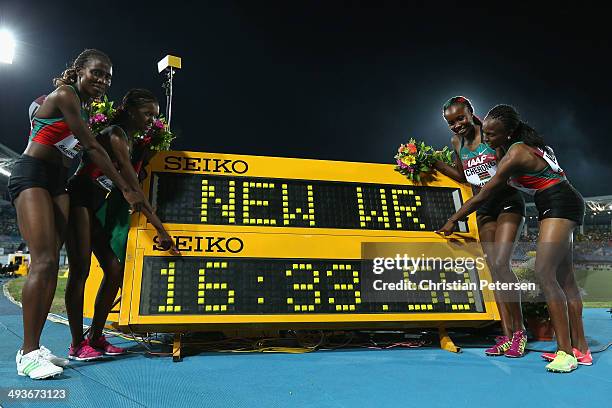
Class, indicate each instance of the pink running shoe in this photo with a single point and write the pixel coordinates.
(583, 359)
(83, 352)
(502, 343)
(519, 342)
(108, 349)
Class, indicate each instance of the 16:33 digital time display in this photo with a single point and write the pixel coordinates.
(278, 286)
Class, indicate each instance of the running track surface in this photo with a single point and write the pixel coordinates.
(424, 377)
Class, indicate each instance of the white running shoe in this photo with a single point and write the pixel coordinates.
(36, 366)
(55, 360)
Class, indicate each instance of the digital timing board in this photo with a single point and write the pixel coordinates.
(277, 242)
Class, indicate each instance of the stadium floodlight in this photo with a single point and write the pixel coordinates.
(7, 47)
(168, 65)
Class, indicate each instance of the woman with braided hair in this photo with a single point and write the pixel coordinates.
(530, 166)
(37, 187)
(500, 219)
(99, 222)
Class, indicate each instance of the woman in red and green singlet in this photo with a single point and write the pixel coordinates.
(500, 219)
(529, 165)
(99, 223)
(37, 186)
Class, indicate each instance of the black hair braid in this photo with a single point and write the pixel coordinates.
(518, 130)
(134, 98)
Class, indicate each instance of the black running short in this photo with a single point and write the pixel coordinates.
(561, 200)
(29, 172)
(84, 192)
(507, 201)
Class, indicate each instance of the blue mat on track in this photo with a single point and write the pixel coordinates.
(424, 377)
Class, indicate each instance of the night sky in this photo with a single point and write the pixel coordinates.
(331, 80)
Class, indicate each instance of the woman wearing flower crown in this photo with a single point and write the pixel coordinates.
(37, 187)
(99, 223)
(529, 165)
(500, 219)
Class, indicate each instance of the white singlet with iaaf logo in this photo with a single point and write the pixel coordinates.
(480, 165)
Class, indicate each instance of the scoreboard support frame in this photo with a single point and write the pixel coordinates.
(177, 347)
(446, 343)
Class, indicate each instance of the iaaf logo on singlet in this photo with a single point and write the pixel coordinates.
(485, 158)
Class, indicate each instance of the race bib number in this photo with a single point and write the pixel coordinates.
(69, 146)
(549, 156)
(480, 169)
(105, 182)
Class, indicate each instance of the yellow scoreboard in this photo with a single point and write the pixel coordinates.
(273, 242)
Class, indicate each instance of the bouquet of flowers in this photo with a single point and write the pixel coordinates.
(157, 138)
(414, 158)
(100, 115)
